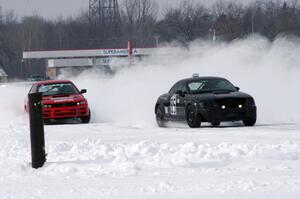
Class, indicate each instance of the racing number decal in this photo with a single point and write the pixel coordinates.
(173, 101)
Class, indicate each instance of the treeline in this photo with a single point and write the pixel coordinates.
(146, 24)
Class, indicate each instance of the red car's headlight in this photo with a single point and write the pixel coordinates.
(81, 103)
(46, 106)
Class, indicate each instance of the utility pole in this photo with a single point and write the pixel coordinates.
(105, 16)
(94, 9)
(104, 12)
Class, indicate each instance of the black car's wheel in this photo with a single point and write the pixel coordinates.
(160, 118)
(192, 118)
(86, 119)
(249, 122)
(215, 124)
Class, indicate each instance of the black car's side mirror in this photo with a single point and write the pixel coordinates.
(237, 88)
(83, 91)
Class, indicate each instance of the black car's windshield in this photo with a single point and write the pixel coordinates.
(210, 85)
(58, 89)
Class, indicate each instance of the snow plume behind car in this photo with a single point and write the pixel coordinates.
(270, 71)
(11, 103)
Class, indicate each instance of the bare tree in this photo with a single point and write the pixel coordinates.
(287, 18)
(140, 17)
(228, 19)
(10, 43)
(187, 22)
(33, 32)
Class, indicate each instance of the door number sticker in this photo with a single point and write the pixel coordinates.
(173, 102)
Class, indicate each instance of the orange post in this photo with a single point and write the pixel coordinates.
(130, 51)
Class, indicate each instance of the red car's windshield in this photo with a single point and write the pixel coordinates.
(58, 89)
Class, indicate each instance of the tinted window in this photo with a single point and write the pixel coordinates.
(182, 87)
(174, 88)
(210, 85)
(194, 86)
(179, 86)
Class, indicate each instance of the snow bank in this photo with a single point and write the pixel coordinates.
(152, 155)
(93, 158)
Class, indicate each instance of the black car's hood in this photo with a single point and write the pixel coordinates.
(212, 96)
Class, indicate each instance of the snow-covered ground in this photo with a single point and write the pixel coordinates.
(122, 154)
(114, 161)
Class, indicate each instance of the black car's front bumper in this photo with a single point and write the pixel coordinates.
(219, 114)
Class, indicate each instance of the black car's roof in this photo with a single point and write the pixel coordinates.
(200, 78)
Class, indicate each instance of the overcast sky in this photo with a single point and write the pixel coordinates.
(55, 8)
(46, 8)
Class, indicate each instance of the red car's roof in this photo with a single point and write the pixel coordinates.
(52, 82)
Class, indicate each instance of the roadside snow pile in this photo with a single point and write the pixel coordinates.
(92, 157)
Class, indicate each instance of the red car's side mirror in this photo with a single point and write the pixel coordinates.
(83, 91)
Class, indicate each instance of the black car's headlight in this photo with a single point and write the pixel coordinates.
(250, 102)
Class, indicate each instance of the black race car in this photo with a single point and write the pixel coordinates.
(205, 99)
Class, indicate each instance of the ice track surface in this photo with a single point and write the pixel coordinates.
(114, 161)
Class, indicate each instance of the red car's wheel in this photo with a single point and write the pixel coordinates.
(86, 119)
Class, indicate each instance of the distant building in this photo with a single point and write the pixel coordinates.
(3, 75)
(56, 66)
(78, 60)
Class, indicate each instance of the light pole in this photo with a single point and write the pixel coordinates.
(213, 33)
(22, 68)
(156, 40)
(252, 22)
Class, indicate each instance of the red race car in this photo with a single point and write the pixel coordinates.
(61, 99)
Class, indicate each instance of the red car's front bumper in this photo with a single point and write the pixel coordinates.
(65, 112)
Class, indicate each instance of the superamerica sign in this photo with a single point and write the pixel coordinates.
(85, 53)
(118, 52)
